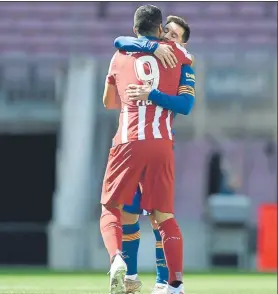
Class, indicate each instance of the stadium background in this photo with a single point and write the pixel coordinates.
(55, 133)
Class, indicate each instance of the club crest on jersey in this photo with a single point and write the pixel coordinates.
(143, 103)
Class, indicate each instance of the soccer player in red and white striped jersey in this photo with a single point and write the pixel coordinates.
(142, 151)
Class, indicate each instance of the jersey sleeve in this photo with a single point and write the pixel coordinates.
(110, 78)
(187, 81)
(182, 54)
(184, 101)
(131, 44)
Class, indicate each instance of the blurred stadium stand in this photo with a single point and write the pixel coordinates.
(63, 28)
(234, 42)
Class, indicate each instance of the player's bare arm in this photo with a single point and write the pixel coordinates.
(110, 97)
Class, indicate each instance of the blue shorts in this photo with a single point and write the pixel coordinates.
(134, 208)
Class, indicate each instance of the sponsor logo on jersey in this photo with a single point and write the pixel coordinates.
(190, 76)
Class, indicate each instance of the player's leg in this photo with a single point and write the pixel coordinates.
(114, 193)
(161, 265)
(158, 184)
(131, 241)
(172, 245)
(111, 230)
(131, 234)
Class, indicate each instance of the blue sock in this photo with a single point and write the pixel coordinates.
(161, 266)
(131, 240)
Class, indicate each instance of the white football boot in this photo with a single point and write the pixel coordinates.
(117, 275)
(172, 290)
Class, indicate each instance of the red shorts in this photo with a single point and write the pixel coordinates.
(149, 163)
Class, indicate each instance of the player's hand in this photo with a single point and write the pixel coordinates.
(165, 54)
(138, 92)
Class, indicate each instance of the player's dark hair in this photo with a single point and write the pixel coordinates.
(147, 19)
(182, 23)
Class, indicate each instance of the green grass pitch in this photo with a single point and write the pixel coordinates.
(43, 282)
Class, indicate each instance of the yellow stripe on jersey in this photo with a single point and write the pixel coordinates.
(186, 90)
(158, 244)
(131, 237)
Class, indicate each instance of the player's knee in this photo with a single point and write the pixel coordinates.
(153, 222)
(129, 218)
(161, 217)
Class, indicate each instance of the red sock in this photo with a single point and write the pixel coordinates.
(111, 231)
(173, 248)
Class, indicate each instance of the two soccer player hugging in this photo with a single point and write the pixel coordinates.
(144, 78)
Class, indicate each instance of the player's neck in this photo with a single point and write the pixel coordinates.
(149, 37)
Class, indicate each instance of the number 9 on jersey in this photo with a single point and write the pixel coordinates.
(152, 77)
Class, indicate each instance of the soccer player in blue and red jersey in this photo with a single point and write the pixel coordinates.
(176, 29)
(142, 151)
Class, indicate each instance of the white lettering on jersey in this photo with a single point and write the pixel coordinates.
(144, 103)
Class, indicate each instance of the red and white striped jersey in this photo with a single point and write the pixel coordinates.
(143, 120)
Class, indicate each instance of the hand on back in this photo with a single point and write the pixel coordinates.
(165, 54)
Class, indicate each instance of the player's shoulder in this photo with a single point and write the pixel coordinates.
(186, 68)
(183, 50)
(187, 74)
(121, 53)
(115, 56)
(178, 48)
(132, 54)
(120, 56)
